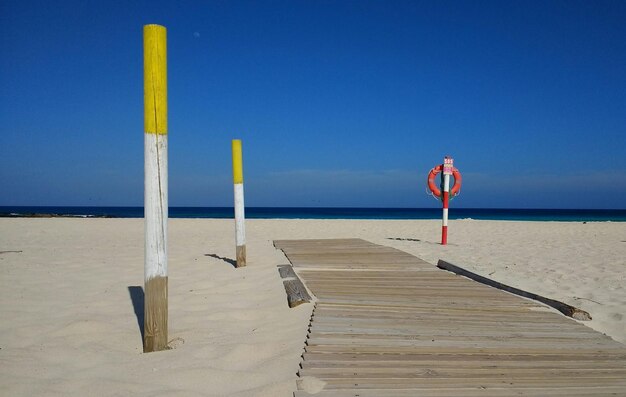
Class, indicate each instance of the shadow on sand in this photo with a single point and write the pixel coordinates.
(137, 298)
(232, 262)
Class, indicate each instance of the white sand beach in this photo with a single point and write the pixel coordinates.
(69, 327)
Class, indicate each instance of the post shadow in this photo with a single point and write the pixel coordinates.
(137, 297)
(227, 260)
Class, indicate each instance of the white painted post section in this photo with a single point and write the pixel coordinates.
(155, 205)
(155, 188)
(240, 226)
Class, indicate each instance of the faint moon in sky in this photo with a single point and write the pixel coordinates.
(196, 34)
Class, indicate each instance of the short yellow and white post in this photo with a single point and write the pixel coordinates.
(155, 187)
(240, 227)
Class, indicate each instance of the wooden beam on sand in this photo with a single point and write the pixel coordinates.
(564, 308)
(295, 289)
(155, 187)
(286, 271)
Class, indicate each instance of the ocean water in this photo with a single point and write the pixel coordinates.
(562, 215)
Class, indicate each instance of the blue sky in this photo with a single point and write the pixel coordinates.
(338, 103)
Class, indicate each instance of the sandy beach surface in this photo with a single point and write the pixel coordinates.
(69, 290)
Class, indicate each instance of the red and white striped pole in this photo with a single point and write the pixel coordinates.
(447, 171)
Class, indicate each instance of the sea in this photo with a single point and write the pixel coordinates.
(556, 215)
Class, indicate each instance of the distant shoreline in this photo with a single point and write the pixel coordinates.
(534, 215)
(46, 215)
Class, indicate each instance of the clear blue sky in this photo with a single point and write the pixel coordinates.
(338, 103)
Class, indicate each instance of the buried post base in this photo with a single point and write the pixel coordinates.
(241, 255)
(155, 315)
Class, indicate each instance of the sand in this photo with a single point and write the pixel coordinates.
(68, 326)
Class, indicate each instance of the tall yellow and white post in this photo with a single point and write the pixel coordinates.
(155, 187)
(240, 227)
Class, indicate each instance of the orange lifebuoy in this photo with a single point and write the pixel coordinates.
(454, 190)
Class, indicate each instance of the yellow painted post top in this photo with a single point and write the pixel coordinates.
(155, 79)
(237, 162)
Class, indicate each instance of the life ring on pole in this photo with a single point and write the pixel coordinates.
(454, 190)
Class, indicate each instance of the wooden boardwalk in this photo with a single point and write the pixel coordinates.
(386, 323)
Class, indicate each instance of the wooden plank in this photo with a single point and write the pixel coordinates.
(463, 373)
(618, 357)
(434, 302)
(296, 292)
(595, 391)
(442, 348)
(494, 363)
(424, 316)
(430, 311)
(458, 342)
(411, 333)
(542, 382)
(286, 271)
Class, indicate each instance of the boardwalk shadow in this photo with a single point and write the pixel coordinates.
(137, 298)
(232, 262)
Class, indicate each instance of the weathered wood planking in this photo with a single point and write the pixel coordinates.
(387, 323)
